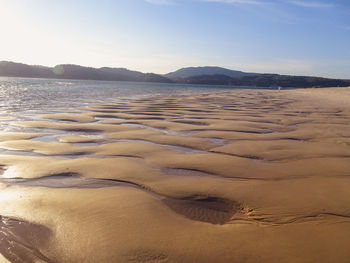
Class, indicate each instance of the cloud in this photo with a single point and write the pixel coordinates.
(311, 4)
(160, 2)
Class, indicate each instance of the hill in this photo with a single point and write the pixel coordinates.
(266, 80)
(193, 75)
(198, 71)
(67, 71)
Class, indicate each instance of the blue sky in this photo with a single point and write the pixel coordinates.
(282, 36)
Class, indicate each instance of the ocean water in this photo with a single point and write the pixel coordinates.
(25, 95)
(24, 98)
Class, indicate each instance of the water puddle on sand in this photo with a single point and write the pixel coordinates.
(85, 144)
(217, 141)
(165, 131)
(46, 138)
(143, 126)
(186, 172)
(184, 149)
(92, 136)
(101, 118)
(4, 151)
(65, 180)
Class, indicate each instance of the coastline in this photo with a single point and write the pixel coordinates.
(231, 176)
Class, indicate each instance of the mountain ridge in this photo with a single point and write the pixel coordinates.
(208, 75)
(72, 71)
(206, 70)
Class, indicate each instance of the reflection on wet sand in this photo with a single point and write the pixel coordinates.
(241, 176)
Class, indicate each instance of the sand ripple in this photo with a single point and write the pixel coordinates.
(241, 176)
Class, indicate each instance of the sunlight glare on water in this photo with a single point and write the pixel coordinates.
(10, 172)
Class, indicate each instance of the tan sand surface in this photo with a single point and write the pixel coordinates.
(239, 176)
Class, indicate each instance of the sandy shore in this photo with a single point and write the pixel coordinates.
(239, 176)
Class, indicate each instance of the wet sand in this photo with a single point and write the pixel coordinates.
(239, 176)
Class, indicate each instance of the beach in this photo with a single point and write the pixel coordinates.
(232, 176)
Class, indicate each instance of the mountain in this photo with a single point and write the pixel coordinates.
(67, 71)
(198, 71)
(266, 80)
(11, 69)
(193, 75)
(136, 75)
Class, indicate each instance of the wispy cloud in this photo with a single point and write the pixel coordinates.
(311, 4)
(160, 2)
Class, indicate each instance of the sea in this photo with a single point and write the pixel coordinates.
(28, 94)
(24, 98)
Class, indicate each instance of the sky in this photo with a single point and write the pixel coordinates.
(296, 37)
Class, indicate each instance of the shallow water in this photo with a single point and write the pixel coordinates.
(22, 98)
(38, 95)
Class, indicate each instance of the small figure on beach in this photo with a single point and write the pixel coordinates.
(279, 88)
